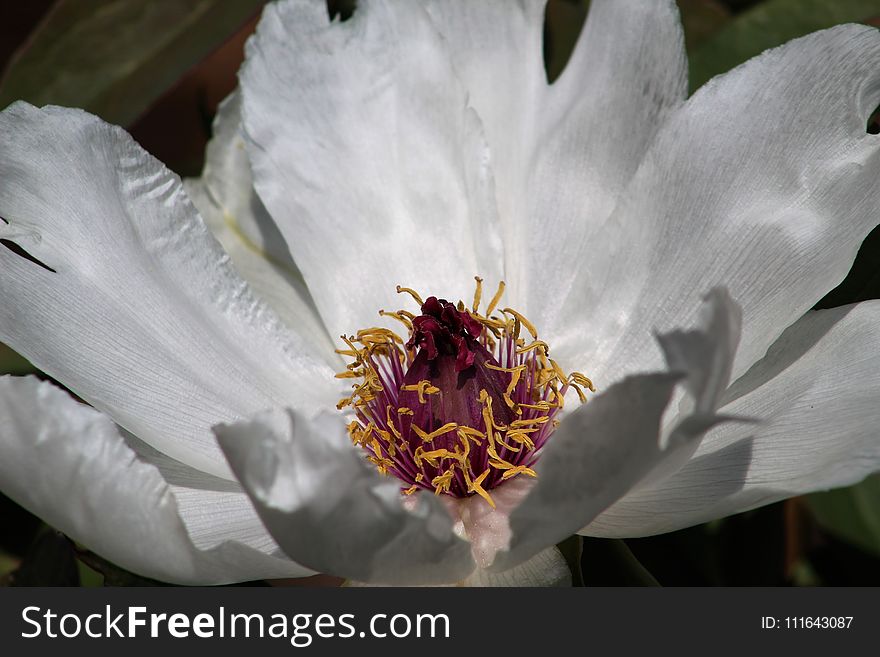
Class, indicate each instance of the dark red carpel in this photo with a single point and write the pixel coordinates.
(451, 358)
(443, 329)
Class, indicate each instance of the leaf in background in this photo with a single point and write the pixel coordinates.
(852, 514)
(771, 24)
(701, 19)
(115, 57)
(12, 363)
(564, 20)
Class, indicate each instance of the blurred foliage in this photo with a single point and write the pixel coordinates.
(610, 562)
(771, 24)
(50, 561)
(701, 19)
(115, 57)
(12, 363)
(563, 21)
(852, 514)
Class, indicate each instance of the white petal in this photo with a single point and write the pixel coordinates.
(68, 464)
(816, 394)
(765, 181)
(329, 509)
(143, 316)
(366, 154)
(562, 153)
(214, 510)
(226, 199)
(595, 456)
(606, 447)
(547, 568)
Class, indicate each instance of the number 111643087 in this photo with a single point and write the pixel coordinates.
(806, 622)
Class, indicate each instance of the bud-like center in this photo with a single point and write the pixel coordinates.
(463, 405)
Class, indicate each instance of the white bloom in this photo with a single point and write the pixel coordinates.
(419, 144)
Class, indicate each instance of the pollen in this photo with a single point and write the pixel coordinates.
(461, 405)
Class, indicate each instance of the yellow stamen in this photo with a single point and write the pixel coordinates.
(533, 375)
(495, 299)
(522, 320)
(428, 437)
(442, 483)
(537, 344)
(478, 293)
(423, 387)
(581, 380)
(412, 293)
(399, 316)
(476, 487)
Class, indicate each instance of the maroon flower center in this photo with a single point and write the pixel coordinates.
(463, 405)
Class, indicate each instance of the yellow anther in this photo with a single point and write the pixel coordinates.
(580, 393)
(495, 299)
(539, 406)
(412, 293)
(423, 387)
(431, 456)
(412, 489)
(521, 436)
(537, 344)
(467, 433)
(390, 423)
(466, 444)
(478, 293)
(349, 374)
(506, 445)
(442, 483)
(498, 368)
(476, 487)
(541, 419)
(378, 336)
(558, 370)
(516, 470)
(399, 316)
(522, 320)
(403, 410)
(382, 464)
(581, 380)
(428, 437)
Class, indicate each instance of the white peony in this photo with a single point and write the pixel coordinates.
(419, 144)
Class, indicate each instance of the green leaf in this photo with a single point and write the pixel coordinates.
(771, 24)
(564, 21)
(115, 57)
(852, 514)
(12, 363)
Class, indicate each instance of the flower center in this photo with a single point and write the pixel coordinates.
(464, 404)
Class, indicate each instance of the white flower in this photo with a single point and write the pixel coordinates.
(420, 144)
